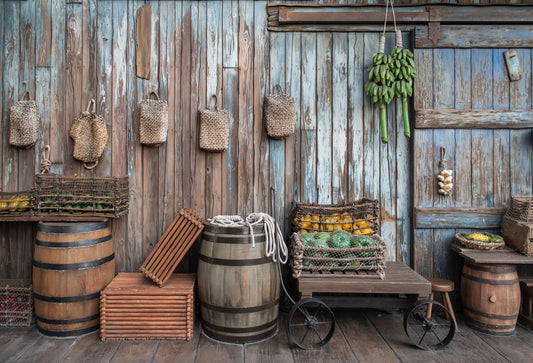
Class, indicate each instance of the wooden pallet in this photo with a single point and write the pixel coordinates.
(132, 307)
(172, 247)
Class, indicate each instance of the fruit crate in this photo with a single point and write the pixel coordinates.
(16, 203)
(360, 217)
(316, 252)
(77, 196)
(16, 303)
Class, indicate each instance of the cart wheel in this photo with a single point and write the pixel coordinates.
(311, 323)
(429, 333)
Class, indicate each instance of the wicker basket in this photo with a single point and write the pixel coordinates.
(16, 303)
(360, 217)
(74, 196)
(477, 245)
(24, 122)
(306, 258)
(16, 203)
(521, 208)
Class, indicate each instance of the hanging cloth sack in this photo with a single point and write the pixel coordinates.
(154, 121)
(89, 133)
(214, 128)
(24, 122)
(280, 118)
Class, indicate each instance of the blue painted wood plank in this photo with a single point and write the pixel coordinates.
(324, 117)
(309, 114)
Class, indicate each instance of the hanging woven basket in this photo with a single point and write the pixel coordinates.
(214, 128)
(24, 122)
(280, 117)
(153, 121)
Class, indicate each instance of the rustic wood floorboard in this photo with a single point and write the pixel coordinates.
(179, 351)
(130, 351)
(16, 341)
(47, 350)
(360, 336)
(274, 350)
(90, 348)
(366, 343)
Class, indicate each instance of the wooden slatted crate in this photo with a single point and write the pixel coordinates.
(132, 307)
(172, 247)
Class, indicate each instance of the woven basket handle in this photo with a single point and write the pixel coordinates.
(89, 106)
(24, 95)
(90, 167)
(216, 102)
(155, 94)
(276, 88)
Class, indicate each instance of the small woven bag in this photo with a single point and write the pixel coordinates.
(214, 128)
(89, 133)
(154, 121)
(280, 118)
(24, 122)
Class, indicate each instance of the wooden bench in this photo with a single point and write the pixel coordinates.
(526, 309)
(400, 287)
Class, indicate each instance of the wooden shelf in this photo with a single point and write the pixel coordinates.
(19, 218)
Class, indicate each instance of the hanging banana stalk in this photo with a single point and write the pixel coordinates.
(403, 68)
(379, 84)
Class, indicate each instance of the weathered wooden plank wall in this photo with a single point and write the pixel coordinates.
(489, 164)
(70, 52)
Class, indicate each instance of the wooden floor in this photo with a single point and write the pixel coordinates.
(361, 336)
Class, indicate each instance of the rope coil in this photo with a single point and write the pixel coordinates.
(275, 245)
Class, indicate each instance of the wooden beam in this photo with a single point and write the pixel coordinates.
(458, 217)
(478, 36)
(143, 41)
(348, 16)
(473, 119)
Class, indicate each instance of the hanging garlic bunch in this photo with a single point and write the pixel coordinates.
(445, 178)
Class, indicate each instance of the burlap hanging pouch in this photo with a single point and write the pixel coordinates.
(154, 121)
(89, 133)
(24, 122)
(279, 115)
(214, 128)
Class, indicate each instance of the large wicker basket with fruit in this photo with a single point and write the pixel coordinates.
(337, 251)
(480, 240)
(16, 203)
(359, 218)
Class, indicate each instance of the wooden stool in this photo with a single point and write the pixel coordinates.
(444, 287)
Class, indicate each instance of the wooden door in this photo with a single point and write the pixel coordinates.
(490, 162)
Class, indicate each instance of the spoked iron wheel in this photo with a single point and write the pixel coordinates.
(429, 325)
(311, 323)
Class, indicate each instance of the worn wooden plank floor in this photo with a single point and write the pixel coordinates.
(361, 336)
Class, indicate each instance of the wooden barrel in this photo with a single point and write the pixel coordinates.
(238, 285)
(491, 297)
(71, 264)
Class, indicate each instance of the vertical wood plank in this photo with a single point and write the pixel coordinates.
(500, 96)
(43, 32)
(143, 42)
(292, 143)
(423, 164)
(4, 126)
(178, 123)
(339, 117)
(58, 130)
(482, 140)
(246, 105)
(324, 117)
(403, 181)
(277, 147)
(150, 156)
(444, 260)
(261, 80)
(214, 165)
(387, 172)
(74, 105)
(309, 114)
(355, 116)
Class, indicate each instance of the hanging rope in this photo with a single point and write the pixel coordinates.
(275, 245)
(45, 162)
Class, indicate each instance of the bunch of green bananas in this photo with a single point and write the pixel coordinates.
(403, 69)
(379, 87)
